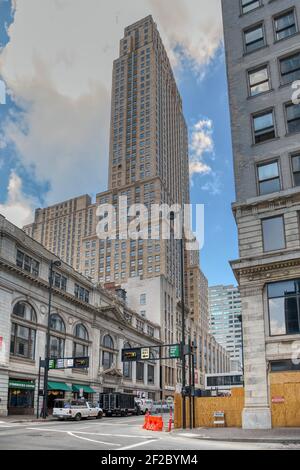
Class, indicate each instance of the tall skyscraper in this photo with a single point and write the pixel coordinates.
(225, 322)
(263, 61)
(148, 165)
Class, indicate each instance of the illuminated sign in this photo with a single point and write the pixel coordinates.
(131, 355)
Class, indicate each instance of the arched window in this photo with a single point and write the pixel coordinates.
(107, 352)
(81, 332)
(23, 331)
(57, 338)
(57, 323)
(127, 366)
(108, 342)
(24, 311)
(81, 347)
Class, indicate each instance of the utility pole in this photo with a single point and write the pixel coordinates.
(57, 264)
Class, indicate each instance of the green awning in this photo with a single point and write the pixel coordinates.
(59, 386)
(85, 388)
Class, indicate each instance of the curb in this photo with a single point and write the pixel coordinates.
(278, 440)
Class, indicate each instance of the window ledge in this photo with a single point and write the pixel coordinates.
(245, 54)
(288, 37)
(283, 338)
(291, 134)
(260, 94)
(22, 359)
(266, 142)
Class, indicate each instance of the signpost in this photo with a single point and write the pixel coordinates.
(166, 352)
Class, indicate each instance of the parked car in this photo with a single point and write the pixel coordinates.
(76, 410)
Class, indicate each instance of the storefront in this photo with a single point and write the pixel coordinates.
(56, 390)
(21, 397)
(83, 391)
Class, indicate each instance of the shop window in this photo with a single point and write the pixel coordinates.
(284, 307)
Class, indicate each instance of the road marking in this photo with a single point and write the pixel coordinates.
(92, 440)
(138, 445)
(91, 433)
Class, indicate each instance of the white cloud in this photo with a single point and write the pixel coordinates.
(201, 145)
(18, 207)
(57, 65)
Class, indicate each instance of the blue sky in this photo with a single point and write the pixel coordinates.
(204, 92)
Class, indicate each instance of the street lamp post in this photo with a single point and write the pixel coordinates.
(53, 263)
(183, 361)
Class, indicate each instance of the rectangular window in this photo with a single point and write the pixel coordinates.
(290, 69)
(273, 234)
(268, 178)
(140, 371)
(296, 169)
(254, 38)
(264, 128)
(150, 374)
(249, 5)
(22, 341)
(143, 299)
(285, 25)
(259, 80)
(284, 312)
(27, 263)
(293, 117)
(81, 293)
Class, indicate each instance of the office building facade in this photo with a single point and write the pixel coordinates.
(263, 62)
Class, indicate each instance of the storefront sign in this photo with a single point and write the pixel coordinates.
(277, 400)
(28, 385)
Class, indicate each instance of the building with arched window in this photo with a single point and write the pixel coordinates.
(85, 321)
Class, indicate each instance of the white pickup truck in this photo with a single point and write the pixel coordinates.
(76, 410)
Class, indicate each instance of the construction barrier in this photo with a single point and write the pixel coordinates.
(205, 409)
(153, 423)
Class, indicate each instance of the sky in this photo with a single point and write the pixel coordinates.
(56, 61)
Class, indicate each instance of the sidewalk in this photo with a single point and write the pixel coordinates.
(24, 419)
(277, 435)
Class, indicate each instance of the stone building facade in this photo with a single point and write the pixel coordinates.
(86, 320)
(263, 62)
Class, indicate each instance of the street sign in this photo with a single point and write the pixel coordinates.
(131, 355)
(152, 353)
(69, 363)
(145, 354)
(174, 351)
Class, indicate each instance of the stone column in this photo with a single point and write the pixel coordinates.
(257, 413)
(5, 330)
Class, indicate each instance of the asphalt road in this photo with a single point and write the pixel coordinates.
(117, 434)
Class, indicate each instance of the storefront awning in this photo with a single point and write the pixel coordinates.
(85, 388)
(59, 386)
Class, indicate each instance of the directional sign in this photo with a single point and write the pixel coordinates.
(69, 363)
(174, 351)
